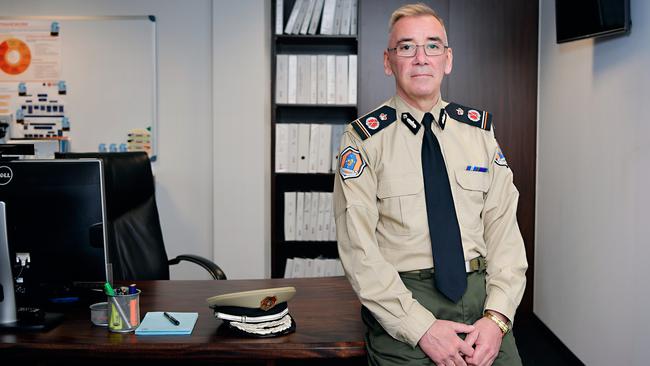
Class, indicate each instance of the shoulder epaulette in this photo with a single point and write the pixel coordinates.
(374, 121)
(470, 116)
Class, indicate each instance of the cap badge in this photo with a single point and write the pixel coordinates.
(268, 302)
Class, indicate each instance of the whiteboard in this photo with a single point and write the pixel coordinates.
(109, 65)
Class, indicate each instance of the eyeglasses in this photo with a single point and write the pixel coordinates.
(408, 49)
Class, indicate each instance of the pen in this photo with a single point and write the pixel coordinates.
(171, 319)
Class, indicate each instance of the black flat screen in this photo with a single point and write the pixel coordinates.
(578, 19)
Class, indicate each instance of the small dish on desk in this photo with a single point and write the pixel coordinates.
(99, 314)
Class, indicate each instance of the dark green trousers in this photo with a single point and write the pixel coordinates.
(385, 350)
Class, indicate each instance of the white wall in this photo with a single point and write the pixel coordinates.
(214, 127)
(242, 137)
(593, 229)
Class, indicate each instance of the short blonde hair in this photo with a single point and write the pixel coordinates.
(412, 10)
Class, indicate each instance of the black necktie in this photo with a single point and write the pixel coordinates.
(448, 261)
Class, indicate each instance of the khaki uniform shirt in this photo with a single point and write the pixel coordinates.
(381, 217)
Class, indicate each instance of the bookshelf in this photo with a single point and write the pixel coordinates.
(302, 113)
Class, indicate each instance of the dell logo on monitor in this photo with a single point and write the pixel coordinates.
(5, 175)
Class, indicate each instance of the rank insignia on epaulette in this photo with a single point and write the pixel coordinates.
(374, 121)
(470, 116)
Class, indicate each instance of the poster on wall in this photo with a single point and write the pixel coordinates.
(32, 93)
(30, 50)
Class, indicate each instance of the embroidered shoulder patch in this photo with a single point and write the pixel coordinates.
(352, 163)
(374, 121)
(470, 116)
(500, 159)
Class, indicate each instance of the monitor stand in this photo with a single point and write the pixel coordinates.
(49, 321)
(25, 319)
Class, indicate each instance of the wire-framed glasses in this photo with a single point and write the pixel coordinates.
(409, 49)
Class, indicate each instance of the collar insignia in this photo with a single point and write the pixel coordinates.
(411, 122)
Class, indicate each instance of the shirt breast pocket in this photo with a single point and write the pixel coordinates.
(471, 190)
(401, 205)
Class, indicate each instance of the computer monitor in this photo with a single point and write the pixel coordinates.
(55, 215)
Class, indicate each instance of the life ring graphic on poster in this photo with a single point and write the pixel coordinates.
(15, 56)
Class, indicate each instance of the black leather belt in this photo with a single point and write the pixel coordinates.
(472, 265)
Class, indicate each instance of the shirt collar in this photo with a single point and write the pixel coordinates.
(403, 107)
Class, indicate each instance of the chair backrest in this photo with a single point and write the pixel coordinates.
(135, 241)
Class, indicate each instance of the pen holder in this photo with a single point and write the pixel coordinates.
(123, 312)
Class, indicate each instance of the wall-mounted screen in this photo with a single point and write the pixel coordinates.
(579, 19)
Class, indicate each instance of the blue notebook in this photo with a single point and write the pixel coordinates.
(154, 323)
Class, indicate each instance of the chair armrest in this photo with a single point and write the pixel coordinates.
(214, 270)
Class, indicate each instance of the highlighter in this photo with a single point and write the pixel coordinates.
(133, 311)
(115, 321)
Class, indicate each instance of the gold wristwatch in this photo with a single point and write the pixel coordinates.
(502, 325)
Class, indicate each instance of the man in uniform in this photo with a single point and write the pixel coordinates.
(426, 215)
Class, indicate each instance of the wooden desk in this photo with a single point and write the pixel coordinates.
(326, 311)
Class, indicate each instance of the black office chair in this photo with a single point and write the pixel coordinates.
(135, 240)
